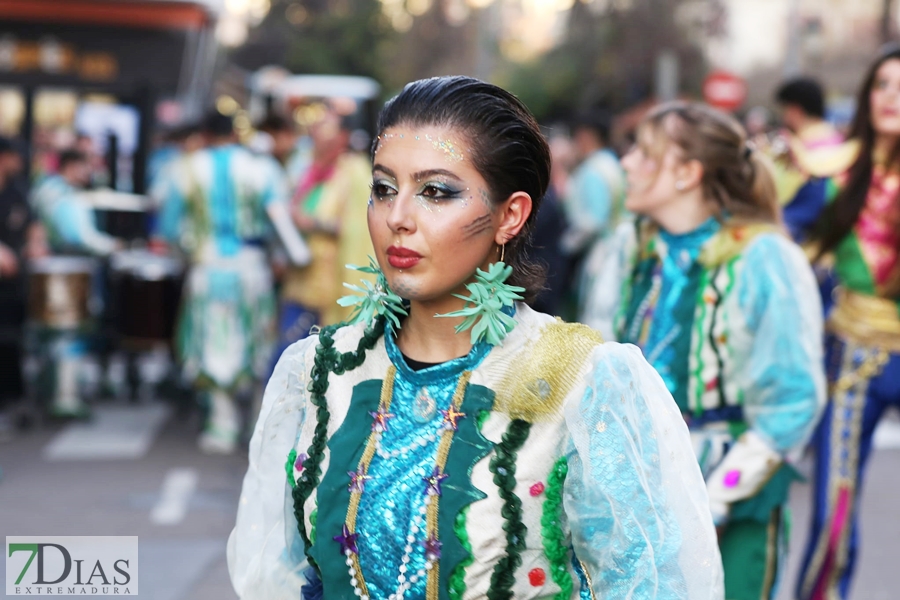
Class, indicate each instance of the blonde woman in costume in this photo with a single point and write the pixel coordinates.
(725, 307)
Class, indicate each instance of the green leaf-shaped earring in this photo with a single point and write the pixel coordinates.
(483, 312)
(373, 300)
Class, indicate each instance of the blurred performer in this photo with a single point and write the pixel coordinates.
(594, 201)
(802, 104)
(21, 238)
(293, 155)
(216, 207)
(72, 230)
(808, 151)
(857, 223)
(724, 306)
(177, 145)
(70, 222)
(596, 187)
(329, 208)
(549, 226)
(179, 142)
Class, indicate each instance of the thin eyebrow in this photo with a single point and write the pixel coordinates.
(383, 169)
(418, 175)
(433, 172)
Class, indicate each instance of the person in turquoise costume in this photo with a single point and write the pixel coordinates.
(725, 307)
(450, 442)
(218, 207)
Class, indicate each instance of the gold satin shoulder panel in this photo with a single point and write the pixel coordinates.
(541, 375)
(732, 240)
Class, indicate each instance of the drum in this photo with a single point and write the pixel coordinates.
(121, 215)
(60, 291)
(146, 291)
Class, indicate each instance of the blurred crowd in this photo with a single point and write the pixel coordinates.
(245, 241)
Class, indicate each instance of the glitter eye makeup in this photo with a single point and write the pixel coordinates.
(433, 194)
(381, 191)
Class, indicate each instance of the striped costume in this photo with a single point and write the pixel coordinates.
(214, 208)
(729, 316)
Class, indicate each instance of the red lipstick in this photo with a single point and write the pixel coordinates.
(402, 258)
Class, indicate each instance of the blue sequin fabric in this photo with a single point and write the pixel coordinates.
(396, 491)
(682, 252)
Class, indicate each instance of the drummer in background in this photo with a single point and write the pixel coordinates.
(71, 228)
(21, 238)
(217, 205)
(69, 221)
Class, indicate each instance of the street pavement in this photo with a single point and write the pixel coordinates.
(135, 470)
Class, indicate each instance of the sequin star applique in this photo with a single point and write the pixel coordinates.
(451, 416)
(380, 419)
(432, 548)
(358, 481)
(433, 481)
(347, 541)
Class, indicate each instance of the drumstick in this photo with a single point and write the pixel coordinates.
(293, 242)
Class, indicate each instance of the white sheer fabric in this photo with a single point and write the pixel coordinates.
(261, 562)
(635, 497)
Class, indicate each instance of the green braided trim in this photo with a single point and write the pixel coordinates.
(313, 519)
(289, 467)
(555, 548)
(457, 585)
(503, 466)
(698, 350)
(726, 317)
(327, 360)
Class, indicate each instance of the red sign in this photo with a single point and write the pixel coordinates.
(724, 90)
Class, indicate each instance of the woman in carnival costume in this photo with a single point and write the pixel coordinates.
(455, 443)
(725, 307)
(855, 227)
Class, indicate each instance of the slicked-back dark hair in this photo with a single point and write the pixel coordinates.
(507, 147)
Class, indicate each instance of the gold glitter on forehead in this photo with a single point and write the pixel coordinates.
(453, 151)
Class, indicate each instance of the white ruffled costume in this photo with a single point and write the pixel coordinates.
(634, 520)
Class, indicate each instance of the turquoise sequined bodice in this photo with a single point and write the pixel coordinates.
(395, 494)
(679, 274)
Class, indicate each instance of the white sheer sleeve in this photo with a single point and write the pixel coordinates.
(634, 495)
(784, 377)
(264, 560)
(607, 267)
